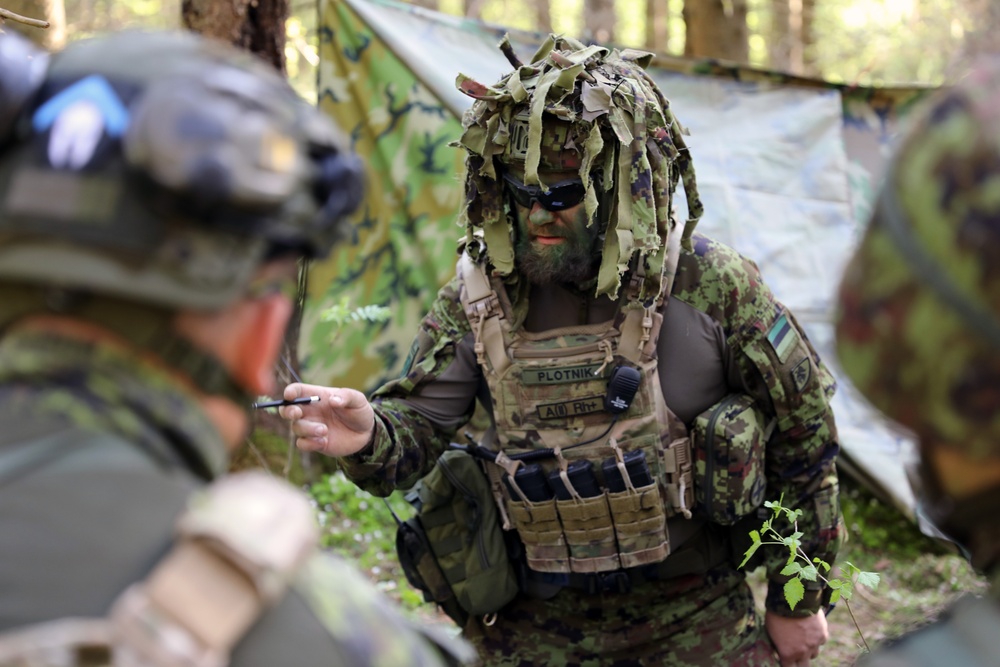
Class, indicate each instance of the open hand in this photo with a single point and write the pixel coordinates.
(339, 424)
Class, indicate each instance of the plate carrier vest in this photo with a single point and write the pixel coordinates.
(548, 391)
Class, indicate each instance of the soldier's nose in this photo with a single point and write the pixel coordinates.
(539, 215)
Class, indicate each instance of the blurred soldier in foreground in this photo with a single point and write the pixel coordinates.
(156, 193)
(638, 375)
(919, 334)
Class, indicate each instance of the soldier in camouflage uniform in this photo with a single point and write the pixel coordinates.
(918, 332)
(572, 164)
(157, 191)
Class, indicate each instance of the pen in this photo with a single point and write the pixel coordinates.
(278, 404)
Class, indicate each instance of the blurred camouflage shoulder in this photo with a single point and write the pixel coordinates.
(918, 327)
(362, 619)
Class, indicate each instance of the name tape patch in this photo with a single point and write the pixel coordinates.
(565, 375)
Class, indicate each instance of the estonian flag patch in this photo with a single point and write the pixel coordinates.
(783, 338)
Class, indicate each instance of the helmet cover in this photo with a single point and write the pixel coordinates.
(163, 167)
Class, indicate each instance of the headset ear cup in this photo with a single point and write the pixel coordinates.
(22, 70)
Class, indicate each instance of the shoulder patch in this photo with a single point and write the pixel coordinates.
(782, 337)
(801, 374)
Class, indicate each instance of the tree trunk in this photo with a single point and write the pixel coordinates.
(255, 25)
(599, 21)
(984, 38)
(717, 29)
(807, 37)
(53, 11)
(779, 46)
(473, 9)
(657, 25)
(543, 15)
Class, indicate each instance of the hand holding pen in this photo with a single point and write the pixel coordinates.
(335, 421)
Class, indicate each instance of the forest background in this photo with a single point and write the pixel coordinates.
(863, 42)
(848, 42)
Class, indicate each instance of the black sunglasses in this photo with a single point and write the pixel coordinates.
(558, 197)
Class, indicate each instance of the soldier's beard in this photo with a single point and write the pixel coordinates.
(572, 261)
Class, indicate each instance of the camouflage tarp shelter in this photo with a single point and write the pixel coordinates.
(786, 167)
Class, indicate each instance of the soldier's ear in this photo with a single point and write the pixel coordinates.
(258, 343)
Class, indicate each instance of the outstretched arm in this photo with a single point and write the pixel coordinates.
(394, 440)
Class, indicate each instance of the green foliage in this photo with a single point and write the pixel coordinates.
(800, 568)
(341, 313)
(361, 527)
(867, 42)
(877, 528)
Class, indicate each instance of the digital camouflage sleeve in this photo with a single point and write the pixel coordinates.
(780, 368)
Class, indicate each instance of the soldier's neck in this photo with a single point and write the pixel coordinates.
(553, 306)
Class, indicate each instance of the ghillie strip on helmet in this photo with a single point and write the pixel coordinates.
(601, 106)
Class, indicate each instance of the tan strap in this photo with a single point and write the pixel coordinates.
(482, 307)
(239, 544)
(673, 259)
(641, 326)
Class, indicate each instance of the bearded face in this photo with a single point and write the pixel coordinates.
(554, 243)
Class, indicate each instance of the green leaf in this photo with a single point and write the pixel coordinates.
(753, 548)
(792, 568)
(869, 580)
(809, 573)
(793, 541)
(834, 597)
(822, 563)
(794, 592)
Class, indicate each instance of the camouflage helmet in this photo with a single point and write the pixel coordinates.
(160, 167)
(584, 108)
(918, 327)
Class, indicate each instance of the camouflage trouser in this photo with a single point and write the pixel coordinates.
(694, 621)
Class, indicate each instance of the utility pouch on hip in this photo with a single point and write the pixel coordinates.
(454, 549)
(729, 440)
